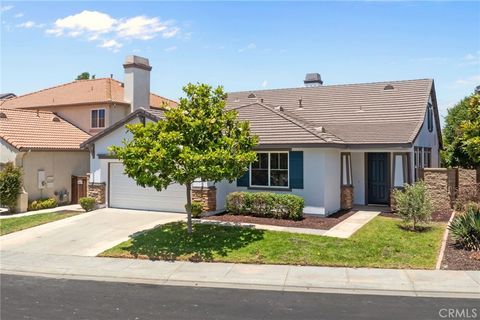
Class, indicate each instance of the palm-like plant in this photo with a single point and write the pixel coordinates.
(465, 228)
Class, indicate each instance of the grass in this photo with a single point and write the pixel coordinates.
(10, 225)
(382, 243)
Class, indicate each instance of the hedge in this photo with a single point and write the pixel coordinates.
(87, 203)
(43, 204)
(266, 204)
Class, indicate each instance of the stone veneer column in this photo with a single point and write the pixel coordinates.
(96, 191)
(346, 197)
(206, 195)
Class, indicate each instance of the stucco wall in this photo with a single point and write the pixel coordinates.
(315, 180)
(59, 165)
(7, 152)
(81, 115)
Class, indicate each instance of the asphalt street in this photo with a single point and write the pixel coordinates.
(46, 298)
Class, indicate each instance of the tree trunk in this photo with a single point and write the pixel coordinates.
(189, 207)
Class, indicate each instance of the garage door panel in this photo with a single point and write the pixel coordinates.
(125, 193)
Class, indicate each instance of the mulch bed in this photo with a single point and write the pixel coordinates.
(437, 216)
(308, 221)
(458, 259)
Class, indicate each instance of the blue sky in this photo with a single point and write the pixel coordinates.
(242, 46)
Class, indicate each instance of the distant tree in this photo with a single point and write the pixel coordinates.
(85, 76)
(461, 134)
(198, 139)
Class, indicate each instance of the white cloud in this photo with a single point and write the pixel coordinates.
(170, 49)
(29, 25)
(111, 44)
(471, 59)
(264, 83)
(250, 46)
(469, 81)
(99, 26)
(5, 8)
(18, 15)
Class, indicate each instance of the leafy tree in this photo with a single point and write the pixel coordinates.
(10, 185)
(85, 76)
(198, 139)
(413, 204)
(460, 133)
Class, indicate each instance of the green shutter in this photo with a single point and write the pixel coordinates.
(243, 181)
(296, 169)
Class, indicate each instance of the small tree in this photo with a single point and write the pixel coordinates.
(413, 204)
(85, 76)
(10, 185)
(198, 139)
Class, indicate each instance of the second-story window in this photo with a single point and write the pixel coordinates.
(98, 118)
(430, 117)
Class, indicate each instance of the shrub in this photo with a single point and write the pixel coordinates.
(87, 203)
(465, 228)
(43, 204)
(467, 194)
(266, 204)
(197, 209)
(10, 185)
(413, 204)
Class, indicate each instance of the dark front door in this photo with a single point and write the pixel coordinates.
(377, 178)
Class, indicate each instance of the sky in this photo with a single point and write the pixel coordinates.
(243, 45)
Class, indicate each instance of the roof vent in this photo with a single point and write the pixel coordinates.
(313, 80)
(236, 100)
(388, 87)
(252, 95)
(279, 108)
(56, 119)
(320, 129)
(3, 115)
(300, 105)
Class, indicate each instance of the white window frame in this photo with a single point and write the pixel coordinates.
(269, 169)
(346, 169)
(98, 118)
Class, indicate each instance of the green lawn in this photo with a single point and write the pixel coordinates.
(381, 243)
(19, 223)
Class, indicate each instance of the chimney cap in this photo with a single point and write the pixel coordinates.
(137, 62)
(313, 79)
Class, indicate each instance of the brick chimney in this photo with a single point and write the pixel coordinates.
(137, 82)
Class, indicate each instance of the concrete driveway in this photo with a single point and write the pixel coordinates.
(87, 234)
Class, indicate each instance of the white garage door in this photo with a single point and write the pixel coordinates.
(125, 193)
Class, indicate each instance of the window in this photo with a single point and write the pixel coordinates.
(422, 159)
(430, 117)
(427, 157)
(98, 118)
(400, 169)
(346, 178)
(270, 170)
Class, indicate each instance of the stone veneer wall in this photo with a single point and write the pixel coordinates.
(466, 177)
(96, 191)
(441, 186)
(206, 195)
(346, 197)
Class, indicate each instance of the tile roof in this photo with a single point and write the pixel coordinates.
(28, 129)
(354, 114)
(274, 127)
(102, 90)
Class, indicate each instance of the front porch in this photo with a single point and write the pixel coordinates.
(368, 177)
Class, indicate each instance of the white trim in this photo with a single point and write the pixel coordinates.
(98, 118)
(268, 170)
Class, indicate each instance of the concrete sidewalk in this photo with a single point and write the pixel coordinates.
(71, 207)
(433, 283)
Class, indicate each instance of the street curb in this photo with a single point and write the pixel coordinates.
(233, 285)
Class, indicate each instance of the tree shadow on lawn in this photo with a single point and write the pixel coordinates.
(171, 241)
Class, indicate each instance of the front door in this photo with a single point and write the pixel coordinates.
(378, 190)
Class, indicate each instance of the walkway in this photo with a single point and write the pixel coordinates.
(432, 283)
(72, 207)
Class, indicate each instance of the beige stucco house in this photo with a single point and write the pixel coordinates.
(47, 148)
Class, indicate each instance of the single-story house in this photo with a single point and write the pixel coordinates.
(336, 146)
(47, 148)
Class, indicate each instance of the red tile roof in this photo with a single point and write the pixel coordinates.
(102, 90)
(32, 130)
